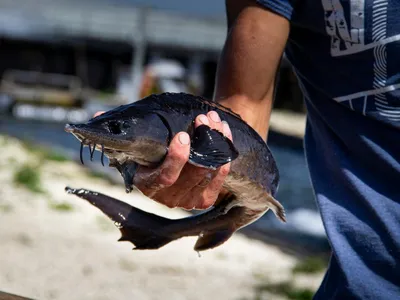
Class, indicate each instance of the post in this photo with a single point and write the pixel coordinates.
(195, 73)
(139, 42)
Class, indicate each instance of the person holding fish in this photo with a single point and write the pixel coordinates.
(346, 55)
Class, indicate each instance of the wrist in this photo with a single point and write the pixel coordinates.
(256, 113)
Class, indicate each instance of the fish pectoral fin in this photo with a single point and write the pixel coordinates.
(212, 239)
(127, 171)
(210, 148)
(277, 208)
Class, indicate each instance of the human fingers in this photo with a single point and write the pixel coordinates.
(98, 114)
(213, 189)
(196, 198)
(149, 182)
(215, 120)
(189, 186)
(178, 195)
(226, 130)
(204, 194)
(212, 120)
(197, 187)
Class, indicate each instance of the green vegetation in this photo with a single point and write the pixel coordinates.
(53, 156)
(43, 153)
(3, 141)
(127, 265)
(311, 265)
(62, 206)
(29, 177)
(5, 208)
(24, 239)
(28, 144)
(105, 223)
(48, 154)
(97, 175)
(285, 289)
(105, 94)
(163, 269)
(12, 160)
(221, 256)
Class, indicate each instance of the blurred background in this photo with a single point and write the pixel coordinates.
(61, 61)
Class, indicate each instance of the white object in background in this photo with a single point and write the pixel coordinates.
(124, 82)
(307, 221)
(169, 74)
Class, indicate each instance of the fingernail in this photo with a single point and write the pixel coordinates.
(204, 120)
(184, 139)
(226, 128)
(214, 116)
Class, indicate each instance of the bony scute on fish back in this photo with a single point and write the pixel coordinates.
(138, 134)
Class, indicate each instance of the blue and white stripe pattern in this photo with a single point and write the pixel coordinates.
(379, 24)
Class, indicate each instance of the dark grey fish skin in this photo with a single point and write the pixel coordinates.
(138, 134)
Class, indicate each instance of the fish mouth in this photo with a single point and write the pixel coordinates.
(97, 139)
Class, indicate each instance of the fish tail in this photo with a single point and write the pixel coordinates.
(144, 239)
(277, 208)
(143, 229)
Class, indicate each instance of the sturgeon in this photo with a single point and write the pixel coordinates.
(139, 134)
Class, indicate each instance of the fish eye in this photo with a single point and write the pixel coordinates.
(114, 127)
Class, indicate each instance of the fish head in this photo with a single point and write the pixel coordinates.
(126, 134)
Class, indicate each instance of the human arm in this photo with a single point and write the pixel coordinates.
(245, 80)
(249, 62)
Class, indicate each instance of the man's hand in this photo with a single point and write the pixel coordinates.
(245, 83)
(177, 183)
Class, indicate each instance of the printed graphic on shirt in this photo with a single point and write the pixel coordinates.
(348, 37)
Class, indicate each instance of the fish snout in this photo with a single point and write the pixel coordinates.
(69, 128)
(73, 128)
(78, 130)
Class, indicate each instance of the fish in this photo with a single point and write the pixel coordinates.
(138, 134)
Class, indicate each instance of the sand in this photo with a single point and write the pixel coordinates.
(49, 253)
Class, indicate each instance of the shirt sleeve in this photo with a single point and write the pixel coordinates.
(281, 7)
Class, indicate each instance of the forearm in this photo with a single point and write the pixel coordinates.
(248, 64)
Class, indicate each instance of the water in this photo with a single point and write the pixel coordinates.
(295, 193)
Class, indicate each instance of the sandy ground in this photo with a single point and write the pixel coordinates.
(47, 253)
